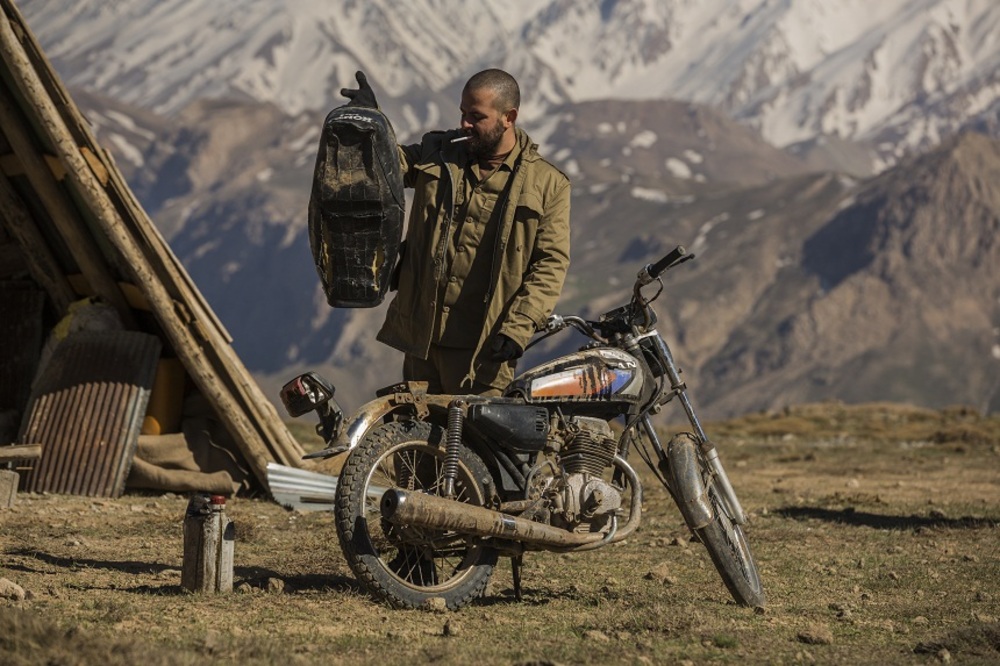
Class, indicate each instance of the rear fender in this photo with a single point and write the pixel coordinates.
(407, 398)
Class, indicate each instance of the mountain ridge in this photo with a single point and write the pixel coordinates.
(897, 74)
(813, 280)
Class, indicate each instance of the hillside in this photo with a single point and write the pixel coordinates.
(747, 131)
(894, 298)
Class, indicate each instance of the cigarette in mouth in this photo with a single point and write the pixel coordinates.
(464, 137)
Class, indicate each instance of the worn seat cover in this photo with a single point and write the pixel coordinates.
(356, 207)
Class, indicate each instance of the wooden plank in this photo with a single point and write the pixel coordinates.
(210, 360)
(8, 488)
(20, 452)
(10, 165)
(78, 241)
(162, 255)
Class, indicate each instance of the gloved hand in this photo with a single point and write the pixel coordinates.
(503, 348)
(363, 95)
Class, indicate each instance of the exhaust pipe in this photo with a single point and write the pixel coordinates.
(401, 507)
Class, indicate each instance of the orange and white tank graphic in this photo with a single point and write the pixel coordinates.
(603, 374)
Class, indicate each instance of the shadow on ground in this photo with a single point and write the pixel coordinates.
(851, 516)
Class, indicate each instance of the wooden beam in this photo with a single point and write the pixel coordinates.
(20, 452)
(258, 439)
(10, 165)
(41, 262)
(65, 218)
(199, 339)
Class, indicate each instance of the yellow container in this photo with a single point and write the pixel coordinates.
(163, 415)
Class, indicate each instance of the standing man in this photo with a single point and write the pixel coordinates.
(487, 243)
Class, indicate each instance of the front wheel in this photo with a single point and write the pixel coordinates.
(731, 554)
(696, 490)
(402, 565)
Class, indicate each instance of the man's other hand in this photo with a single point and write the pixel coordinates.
(363, 95)
(504, 349)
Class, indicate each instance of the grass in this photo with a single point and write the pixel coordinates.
(876, 422)
(876, 543)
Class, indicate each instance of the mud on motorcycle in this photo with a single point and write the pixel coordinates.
(437, 487)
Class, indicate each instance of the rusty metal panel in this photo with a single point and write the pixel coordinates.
(86, 411)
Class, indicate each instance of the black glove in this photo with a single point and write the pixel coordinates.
(363, 95)
(504, 349)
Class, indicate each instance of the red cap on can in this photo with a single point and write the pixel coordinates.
(217, 499)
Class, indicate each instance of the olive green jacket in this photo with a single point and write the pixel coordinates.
(530, 258)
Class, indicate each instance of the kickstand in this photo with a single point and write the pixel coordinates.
(515, 568)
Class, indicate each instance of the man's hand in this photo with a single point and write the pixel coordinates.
(363, 95)
(504, 349)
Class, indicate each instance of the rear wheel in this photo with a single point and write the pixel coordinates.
(401, 565)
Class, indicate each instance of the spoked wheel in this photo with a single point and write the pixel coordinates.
(402, 565)
(689, 481)
(731, 554)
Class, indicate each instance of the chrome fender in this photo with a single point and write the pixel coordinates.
(410, 397)
(686, 481)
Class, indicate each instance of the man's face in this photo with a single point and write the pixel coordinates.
(486, 125)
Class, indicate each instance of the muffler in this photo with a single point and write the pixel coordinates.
(402, 507)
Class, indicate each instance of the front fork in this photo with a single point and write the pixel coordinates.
(709, 452)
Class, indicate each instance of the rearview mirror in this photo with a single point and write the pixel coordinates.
(305, 393)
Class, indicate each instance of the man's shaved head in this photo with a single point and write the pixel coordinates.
(503, 85)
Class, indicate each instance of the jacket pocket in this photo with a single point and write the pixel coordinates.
(529, 207)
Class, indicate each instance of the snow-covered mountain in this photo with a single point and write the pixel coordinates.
(657, 109)
(904, 72)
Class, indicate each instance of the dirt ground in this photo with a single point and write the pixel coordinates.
(875, 528)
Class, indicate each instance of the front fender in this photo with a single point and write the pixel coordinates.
(685, 477)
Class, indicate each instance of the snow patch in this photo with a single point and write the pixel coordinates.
(701, 240)
(648, 194)
(693, 156)
(678, 168)
(126, 149)
(644, 139)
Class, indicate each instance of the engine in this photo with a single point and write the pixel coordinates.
(579, 498)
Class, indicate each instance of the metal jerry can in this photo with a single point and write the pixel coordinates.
(209, 539)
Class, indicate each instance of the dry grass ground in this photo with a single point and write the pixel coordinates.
(875, 527)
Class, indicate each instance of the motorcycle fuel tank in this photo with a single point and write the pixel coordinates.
(602, 374)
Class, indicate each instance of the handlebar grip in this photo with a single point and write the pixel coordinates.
(675, 254)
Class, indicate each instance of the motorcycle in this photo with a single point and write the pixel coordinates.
(437, 487)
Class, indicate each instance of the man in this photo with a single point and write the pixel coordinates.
(487, 243)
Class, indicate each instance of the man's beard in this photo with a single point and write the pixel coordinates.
(485, 146)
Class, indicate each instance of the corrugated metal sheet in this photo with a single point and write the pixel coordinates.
(86, 221)
(86, 411)
(301, 489)
(305, 490)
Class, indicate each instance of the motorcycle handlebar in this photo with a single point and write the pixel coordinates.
(650, 272)
(559, 322)
(653, 271)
